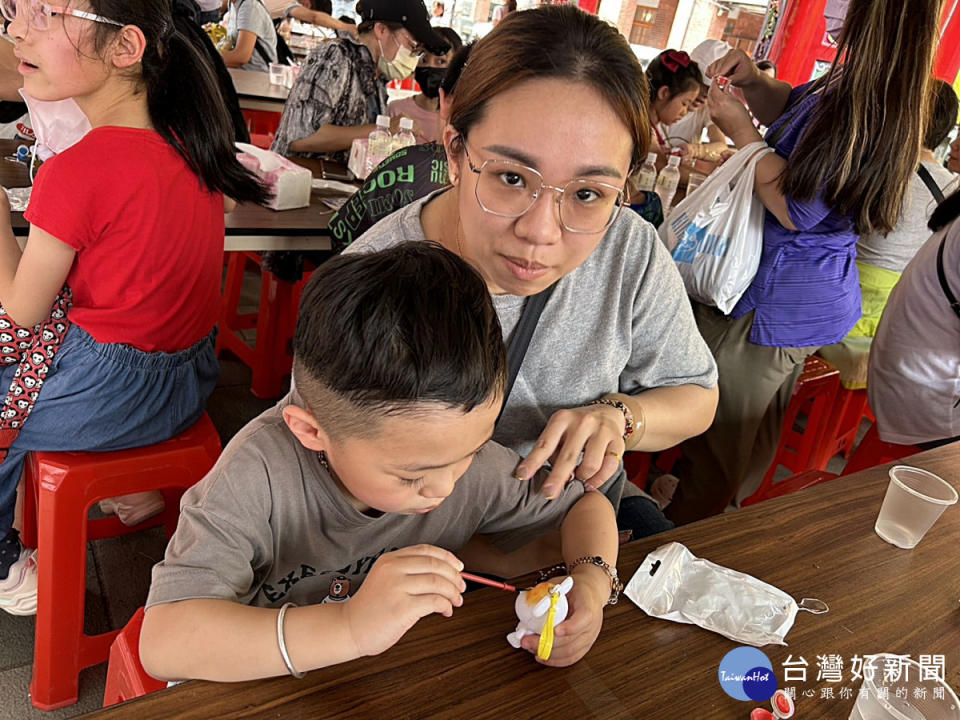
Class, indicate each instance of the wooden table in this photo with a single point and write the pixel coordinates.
(816, 543)
(255, 91)
(249, 227)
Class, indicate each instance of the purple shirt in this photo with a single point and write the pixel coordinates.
(806, 291)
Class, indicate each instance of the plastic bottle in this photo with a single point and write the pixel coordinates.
(647, 174)
(667, 182)
(405, 137)
(379, 143)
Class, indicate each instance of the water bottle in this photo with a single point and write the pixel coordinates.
(379, 143)
(667, 182)
(405, 137)
(647, 174)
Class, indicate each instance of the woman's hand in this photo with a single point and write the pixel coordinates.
(735, 65)
(574, 637)
(731, 116)
(595, 431)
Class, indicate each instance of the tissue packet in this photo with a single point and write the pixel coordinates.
(358, 158)
(673, 584)
(288, 182)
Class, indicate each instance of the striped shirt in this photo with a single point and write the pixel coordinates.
(806, 291)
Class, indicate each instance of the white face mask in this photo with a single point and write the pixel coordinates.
(58, 124)
(401, 67)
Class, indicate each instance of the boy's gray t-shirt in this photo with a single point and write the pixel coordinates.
(252, 16)
(621, 322)
(268, 525)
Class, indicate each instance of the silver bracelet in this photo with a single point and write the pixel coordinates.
(283, 645)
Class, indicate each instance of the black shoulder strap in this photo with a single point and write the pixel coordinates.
(930, 183)
(951, 298)
(529, 317)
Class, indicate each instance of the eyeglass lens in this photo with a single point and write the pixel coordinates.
(36, 11)
(508, 189)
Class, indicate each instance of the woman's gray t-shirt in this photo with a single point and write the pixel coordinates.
(620, 322)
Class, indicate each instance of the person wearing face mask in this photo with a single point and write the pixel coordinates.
(340, 89)
(424, 108)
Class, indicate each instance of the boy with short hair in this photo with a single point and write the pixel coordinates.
(350, 497)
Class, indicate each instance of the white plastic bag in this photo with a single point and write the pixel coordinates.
(673, 584)
(715, 234)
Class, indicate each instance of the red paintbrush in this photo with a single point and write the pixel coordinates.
(484, 581)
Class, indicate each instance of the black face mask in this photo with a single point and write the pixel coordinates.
(429, 79)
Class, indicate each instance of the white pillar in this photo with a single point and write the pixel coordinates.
(680, 22)
(609, 10)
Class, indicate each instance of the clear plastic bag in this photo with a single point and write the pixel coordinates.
(673, 584)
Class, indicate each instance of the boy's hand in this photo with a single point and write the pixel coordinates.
(575, 636)
(402, 587)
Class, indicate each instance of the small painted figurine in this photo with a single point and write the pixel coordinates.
(540, 609)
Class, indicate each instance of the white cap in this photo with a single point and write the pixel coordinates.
(707, 52)
(652, 158)
(383, 120)
(406, 123)
(674, 160)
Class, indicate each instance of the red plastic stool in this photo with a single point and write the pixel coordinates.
(849, 411)
(264, 122)
(789, 485)
(59, 489)
(126, 678)
(814, 395)
(873, 451)
(270, 358)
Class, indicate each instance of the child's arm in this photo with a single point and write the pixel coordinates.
(30, 280)
(589, 529)
(242, 51)
(322, 19)
(221, 640)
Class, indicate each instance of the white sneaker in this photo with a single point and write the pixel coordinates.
(18, 592)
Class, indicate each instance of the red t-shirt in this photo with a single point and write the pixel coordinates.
(148, 236)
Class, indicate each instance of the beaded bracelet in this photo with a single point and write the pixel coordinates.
(615, 585)
(282, 643)
(629, 426)
(563, 569)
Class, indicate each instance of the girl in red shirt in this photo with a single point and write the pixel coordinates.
(128, 224)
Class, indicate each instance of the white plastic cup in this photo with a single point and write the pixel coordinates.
(906, 695)
(277, 73)
(915, 499)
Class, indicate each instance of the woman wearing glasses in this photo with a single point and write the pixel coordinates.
(340, 90)
(549, 117)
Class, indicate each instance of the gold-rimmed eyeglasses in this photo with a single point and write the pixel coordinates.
(38, 14)
(509, 189)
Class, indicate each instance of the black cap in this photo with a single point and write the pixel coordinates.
(412, 14)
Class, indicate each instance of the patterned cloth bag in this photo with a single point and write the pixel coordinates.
(33, 350)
